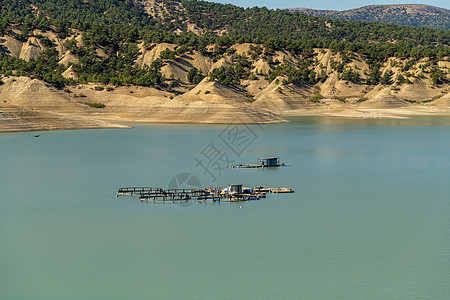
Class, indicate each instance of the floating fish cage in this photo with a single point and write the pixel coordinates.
(232, 193)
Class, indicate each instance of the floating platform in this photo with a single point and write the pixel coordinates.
(232, 193)
(132, 191)
(214, 198)
(245, 166)
(281, 190)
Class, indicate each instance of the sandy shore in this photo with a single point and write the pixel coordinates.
(19, 120)
(31, 105)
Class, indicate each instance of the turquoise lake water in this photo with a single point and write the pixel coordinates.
(369, 218)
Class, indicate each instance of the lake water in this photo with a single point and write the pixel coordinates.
(369, 218)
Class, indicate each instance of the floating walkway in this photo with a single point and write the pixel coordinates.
(232, 193)
(158, 194)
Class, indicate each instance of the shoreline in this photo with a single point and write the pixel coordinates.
(128, 124)
(32, 105)
(6, 131)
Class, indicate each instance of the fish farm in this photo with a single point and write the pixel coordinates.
(232, 193)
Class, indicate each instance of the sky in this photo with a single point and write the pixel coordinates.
(328, 4)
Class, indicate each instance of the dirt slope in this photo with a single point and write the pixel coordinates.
(30, 104)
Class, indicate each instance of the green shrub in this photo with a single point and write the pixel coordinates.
(402, 79)
(195, 76)
(316, 98)
(95, 105)
(250, 98)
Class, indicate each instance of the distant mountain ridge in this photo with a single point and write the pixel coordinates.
(417, 15)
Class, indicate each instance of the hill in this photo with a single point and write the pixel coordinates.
(417, 15)
(201, 62)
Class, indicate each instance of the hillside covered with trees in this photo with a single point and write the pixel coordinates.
(417, 15)
(204, 50)
(117, 27)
